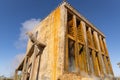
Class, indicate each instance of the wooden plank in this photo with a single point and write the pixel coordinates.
(33, 63)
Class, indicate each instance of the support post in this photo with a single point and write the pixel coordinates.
(27, 64)
(96, 70)
(86, 49)
(105, 46)
(99, 53)
(76, 43)
(38, 69)
(101, 44)
(91, 40)
(106, 64)
(16, 74)
(33, 63)
(111, 70)
(24, 72)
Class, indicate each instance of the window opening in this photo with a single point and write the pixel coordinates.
(71, 29)
(71, 55)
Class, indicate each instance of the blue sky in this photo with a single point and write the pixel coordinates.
(15, 15)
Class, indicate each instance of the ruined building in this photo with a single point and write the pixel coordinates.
(65, 46)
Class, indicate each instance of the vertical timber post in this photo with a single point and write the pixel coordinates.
(16, 74)
(24, 68)
(33, 63)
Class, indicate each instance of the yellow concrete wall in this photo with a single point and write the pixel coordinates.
(52, 32)
(49, 32)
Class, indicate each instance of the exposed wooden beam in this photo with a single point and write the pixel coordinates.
(35, 41)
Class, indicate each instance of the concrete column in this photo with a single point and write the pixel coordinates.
(105, 59)
(105, 46)
(101, 44)
(95, 38)
(99, 54)
(106, 64)
(106, 52)
(95, 63)
(91, 40)
(86, 48)
(81, 58)
(76, 42)
(66, 40)
(91, 63)
(63, 31)
(111, 70)
(91, 45)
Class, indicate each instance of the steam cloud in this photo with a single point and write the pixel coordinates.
(28, 25)
(16, 61)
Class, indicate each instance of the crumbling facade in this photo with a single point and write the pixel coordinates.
(65, 46)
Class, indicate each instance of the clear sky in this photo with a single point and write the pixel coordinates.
(15, 15)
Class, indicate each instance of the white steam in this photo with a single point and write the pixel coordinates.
(28, 25)
(15, 63)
